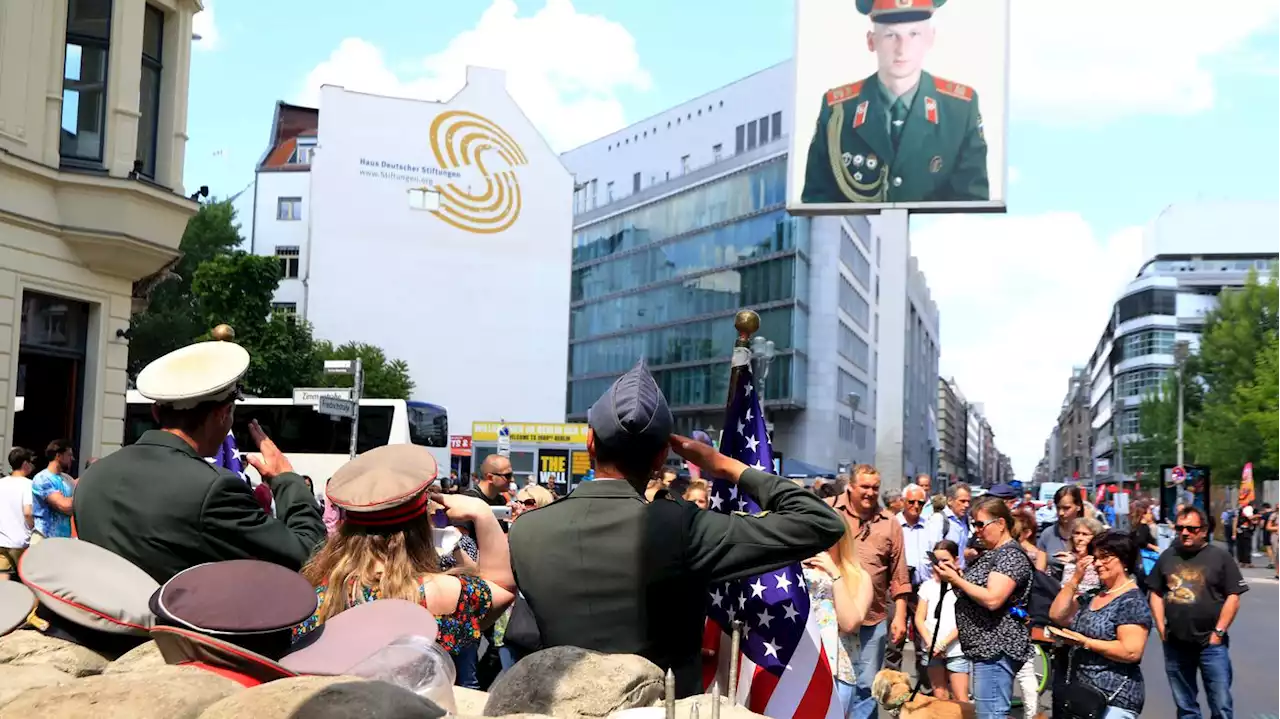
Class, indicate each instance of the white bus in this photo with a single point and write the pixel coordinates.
(316, 444)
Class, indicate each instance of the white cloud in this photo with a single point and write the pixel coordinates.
(1023, 300)
(563, 67)
(1098, 60)
(205, 28)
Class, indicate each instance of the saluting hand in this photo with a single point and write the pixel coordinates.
(271, 462)
(462, 508)
(707, 458)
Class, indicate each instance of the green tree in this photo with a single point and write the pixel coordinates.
(383, 378)
(1236, 364)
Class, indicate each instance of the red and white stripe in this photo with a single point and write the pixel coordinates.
(806, 690)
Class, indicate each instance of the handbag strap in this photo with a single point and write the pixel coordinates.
(1071, 665)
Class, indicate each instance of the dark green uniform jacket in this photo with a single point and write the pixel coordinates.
(604, 570)
(162, 506)
(941, 155)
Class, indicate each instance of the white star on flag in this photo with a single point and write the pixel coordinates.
(742, 428)
(770, 649)
(764, 617)
(752, 443)
(789, 611)
(757, 587)
(749, 415)
(783, 583)
(742, 602)
(716, 501)
(758, 466)
(716, 597)
(750, 389)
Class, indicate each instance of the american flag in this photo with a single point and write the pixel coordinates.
(783, 670)
(228, 456)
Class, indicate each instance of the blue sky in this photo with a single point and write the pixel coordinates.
(1111, 120)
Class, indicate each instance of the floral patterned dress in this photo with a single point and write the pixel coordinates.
(457, 630)
(840, 647)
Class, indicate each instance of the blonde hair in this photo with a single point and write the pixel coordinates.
(392, 562)
(845, 554)
(539, 494)
(697, 485)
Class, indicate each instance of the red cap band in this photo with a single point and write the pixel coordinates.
(415, 507)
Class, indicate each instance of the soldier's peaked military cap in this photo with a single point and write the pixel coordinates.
(384, 487)
(200, 372)
(246, 602)
(16, 604)
(888, 12)
(89, 586)
(632, 413)
(354, 635)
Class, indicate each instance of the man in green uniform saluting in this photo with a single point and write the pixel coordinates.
(901, 135)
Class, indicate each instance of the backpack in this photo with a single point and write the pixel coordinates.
(1044, 589)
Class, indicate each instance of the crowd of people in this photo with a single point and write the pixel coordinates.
(622, 564)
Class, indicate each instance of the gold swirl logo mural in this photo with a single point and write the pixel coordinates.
(463, 139)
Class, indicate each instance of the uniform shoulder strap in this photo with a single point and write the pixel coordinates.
(953, 89)
(837, 95)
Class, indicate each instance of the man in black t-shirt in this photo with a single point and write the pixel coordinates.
(1195, 594)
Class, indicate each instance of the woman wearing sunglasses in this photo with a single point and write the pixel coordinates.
(993, 636)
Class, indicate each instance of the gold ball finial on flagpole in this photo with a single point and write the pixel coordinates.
(223, 333)
(747, 323)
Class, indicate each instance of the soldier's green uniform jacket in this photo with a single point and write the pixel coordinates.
(162, 506)
(604, 570)
(941, 155)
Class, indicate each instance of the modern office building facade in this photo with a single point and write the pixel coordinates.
(93, 132)
(953, 432)
(1194, 252)
(680, 221)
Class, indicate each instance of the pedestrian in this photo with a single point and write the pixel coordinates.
(953, 522)
(948, 668)
(1069, 502)
(1195, 594)
(160, 504)
(880, 552)
(53, 490)
(915, 548)
(604, 570)
(1244, 536)
(15, 510)
(839, 596)
(1228, 520)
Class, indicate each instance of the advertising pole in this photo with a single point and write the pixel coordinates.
(357, 391)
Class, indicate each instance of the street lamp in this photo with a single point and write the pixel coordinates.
(762, 354)
(1181, 349)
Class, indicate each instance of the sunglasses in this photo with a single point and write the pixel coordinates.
(529, 502)
(505, 475)
(979, 524)
(1192, 528)
(915, 502)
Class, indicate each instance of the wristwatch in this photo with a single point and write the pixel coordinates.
(1222, 633)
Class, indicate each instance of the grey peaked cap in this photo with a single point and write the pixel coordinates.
(632, 412)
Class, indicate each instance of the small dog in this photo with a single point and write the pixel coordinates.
(892, 689)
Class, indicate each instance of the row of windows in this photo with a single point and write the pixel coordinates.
(289, 256)
(757, 132)
(690, 342)
(83, 124)
(851, 431)
(654, 130)
(702, 385)
(1148, 302)
(1140, 382)
(1147, 342)
(1128, 422)
(1207, 265)
(853, 258)
(728, 245)
(854, 348)
(745, 193)
(770, 281)
(854, 305)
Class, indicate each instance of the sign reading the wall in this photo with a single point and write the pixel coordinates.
(553, 470)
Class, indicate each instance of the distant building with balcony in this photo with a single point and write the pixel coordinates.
(680, 221)
(1194, 252)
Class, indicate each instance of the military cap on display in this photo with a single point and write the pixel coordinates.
(355, 634)
(247, 602)
(384, 487)
(16, 604)
(183, 647)
(1003, 491)
(89, 595)
(888, 12)
(200, 372)
(632, 413)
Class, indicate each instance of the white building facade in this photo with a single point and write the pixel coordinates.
(680, 221)
(1194, 251)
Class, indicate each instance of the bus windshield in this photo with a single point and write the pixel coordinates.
(296, 429)
(428, 424)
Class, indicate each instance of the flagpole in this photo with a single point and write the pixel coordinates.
(747, 323)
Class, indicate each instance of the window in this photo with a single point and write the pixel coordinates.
(1148, 302)
(593, 194)
(303, 155)
(853, 304)
(846, 428)
(684, 164)
(739, 139)
(777, 125)
(1147, 342)
(751, 135)
(716, 151)
(608, 192)
(289, 259)
(763, 125)
(289, 208)
(1140, 383)
(853, 258)
(854, 348)
(84, 80)
(149, 90)
(286, 308)
(635, 182)
(847, 383)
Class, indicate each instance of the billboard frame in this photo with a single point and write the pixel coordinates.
(975, 207)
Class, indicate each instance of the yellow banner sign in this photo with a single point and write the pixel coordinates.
(581, 464)
(523, 433)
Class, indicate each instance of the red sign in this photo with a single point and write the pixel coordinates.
(460, 445)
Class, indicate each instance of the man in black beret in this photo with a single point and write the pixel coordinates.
(603, 569)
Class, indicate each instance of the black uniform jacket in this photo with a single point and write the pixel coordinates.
(604, 570)
(162, 506)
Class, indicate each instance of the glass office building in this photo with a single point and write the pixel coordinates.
(662, 281)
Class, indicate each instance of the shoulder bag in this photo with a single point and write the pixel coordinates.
(1082, 701)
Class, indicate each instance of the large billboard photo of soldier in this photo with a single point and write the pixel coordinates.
(899, 103)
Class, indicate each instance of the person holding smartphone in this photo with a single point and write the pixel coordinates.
(948, 668)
